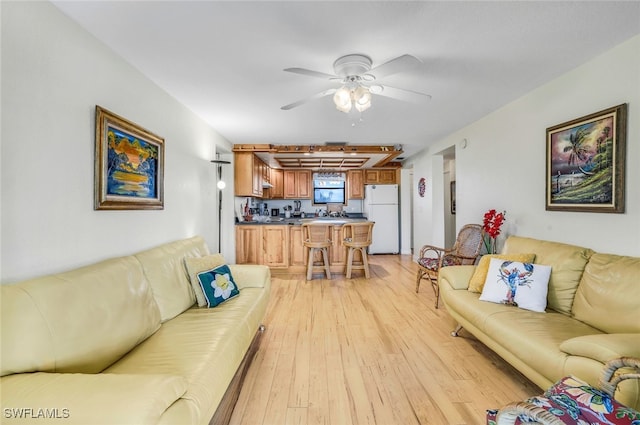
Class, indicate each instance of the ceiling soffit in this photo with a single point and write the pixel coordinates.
(316, 157)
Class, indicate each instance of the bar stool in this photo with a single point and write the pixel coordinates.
(357, 236)
(317, 237)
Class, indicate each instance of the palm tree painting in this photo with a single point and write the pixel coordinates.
(129, 165)
(585, 160)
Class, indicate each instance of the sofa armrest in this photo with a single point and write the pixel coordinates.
(78, 398)
(250, 275)
(603, 347)
(457, 277)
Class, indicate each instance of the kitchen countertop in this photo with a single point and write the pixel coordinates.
(297, 221)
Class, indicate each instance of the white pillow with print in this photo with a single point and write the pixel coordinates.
(523, 285)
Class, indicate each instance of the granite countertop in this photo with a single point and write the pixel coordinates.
(297, 221)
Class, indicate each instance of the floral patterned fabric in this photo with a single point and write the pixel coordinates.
(577, 403)
(217, 285)
(432, 263)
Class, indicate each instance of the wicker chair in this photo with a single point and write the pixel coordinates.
(571, 401)
(464, 251)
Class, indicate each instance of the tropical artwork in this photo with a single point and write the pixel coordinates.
(585, 163)
(129, 164)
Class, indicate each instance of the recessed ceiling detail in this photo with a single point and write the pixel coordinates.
(316, 162)
(342, 156)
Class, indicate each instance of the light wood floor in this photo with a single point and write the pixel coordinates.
(369, 351)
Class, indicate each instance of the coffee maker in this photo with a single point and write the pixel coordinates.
(264, 210)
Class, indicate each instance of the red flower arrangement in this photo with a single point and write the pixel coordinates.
(491, 224)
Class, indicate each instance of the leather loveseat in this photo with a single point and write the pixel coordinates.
(592, 315)
(121, 342)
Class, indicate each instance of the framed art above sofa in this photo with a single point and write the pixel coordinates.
(129, 165)
(585, 163)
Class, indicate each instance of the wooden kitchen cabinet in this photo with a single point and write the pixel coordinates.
(297, 184)
(380, 176)
(275, 246)
(248, 245)
(276, 191)
(297, 252)
(337, 251)
(355, 184)
(247, 174)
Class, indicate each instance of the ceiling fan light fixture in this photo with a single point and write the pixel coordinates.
(362, 98)
(342, 99)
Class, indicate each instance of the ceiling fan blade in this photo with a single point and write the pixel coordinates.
(399, 64)
(310, 73)
(403, 94)
(308, 99)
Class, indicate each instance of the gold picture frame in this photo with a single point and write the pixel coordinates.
(585, 164)
(129, 165)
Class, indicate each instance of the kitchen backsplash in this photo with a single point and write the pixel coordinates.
(353, 206)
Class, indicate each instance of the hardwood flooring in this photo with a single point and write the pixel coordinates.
(369, 351)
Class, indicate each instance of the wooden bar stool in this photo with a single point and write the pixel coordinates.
(317, 237)
(357, 236)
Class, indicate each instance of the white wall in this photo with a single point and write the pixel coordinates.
(503, 165)
(53, 75)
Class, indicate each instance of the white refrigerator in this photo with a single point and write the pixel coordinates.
(381, 206)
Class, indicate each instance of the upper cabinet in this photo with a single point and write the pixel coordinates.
(248, 174)
(380, 176)
(297, 184)
(276, 191)
(355, 184)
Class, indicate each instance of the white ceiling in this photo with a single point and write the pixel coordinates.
(225, 59)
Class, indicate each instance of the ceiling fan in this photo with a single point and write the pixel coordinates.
(359, 81)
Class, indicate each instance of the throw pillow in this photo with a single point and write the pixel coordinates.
(514, 283)
(217, 285)
(480, 274)
(195, 265)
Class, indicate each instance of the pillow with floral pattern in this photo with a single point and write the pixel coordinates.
(574, 402)
(218, 285)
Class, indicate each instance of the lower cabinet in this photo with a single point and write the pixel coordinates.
(275, 246)
(280, 247)
(248, 245)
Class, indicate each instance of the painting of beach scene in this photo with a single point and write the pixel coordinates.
(585, 163)
(129, 163)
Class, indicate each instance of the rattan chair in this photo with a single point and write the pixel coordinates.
(564, 405)
(357, 237)
(464, 251)
(317, 237)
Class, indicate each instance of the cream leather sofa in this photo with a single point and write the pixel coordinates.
(593, 315)
(121, 342)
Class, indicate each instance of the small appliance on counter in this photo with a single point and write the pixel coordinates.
(275, 212)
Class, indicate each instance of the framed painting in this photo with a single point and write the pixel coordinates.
(585, 163)
(129, 165)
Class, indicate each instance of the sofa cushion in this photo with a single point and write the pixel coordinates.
(75, 398)
(603, 347)
(535, 338)
(218, 285)
(196, 265)
(609, 294)
(514, 283)
(164, 268)
(203, 345)
(567, 262)
(480, 274)
(78, 321)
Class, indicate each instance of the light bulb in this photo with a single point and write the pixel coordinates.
(362, 97)
(342, 99)
(221, 184)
